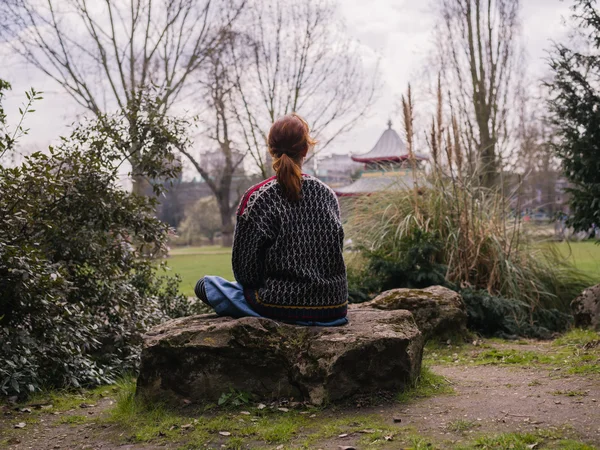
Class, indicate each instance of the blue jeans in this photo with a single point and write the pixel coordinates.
(227, 299)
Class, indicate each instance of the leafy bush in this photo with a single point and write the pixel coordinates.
(78, 284)
(456, 236)
(497, 316)
(411, 265)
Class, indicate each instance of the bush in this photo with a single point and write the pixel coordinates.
(508, 318)
(412, 265)
(462, 237)
(458, 236)
(78, 284)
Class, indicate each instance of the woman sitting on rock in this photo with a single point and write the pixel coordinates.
(288, 242)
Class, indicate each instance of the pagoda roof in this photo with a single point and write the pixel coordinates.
(390, 181)
(389, 147)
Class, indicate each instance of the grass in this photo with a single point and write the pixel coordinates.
(265, 427)
(460, 425)
(65, 400)
(569, 353)
(584, 255)
(192, 263)
(428, 384)
(246, 426)
(73, 420)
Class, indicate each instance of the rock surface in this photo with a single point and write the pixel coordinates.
(439, 312)
(586, 308)
(198, 358)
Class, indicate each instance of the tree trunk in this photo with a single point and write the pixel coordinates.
(140, 185)
(226, 228)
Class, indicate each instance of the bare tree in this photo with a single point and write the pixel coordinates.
(218, 91)
(478, 52)
(107, 55)
(279, 57)
(535, 157)
(298, 58)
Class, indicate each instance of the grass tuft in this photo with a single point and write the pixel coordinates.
(460, 425)
(73, 419)
(428, 384)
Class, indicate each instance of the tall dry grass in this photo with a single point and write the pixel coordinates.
(481, 244)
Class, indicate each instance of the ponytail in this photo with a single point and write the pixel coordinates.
(289, 140)
(289, 176)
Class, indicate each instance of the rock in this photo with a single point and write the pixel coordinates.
(439, 312)
(201, 357)
(586, 308)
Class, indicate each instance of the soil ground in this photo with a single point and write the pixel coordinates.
(545, 400)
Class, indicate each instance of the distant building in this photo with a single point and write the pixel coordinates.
(334, 170)
(386, 166)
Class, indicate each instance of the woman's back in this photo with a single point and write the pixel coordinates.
(288, 254)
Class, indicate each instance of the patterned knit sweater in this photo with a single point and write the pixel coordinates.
(288, 255)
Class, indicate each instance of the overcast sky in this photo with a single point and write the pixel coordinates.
(399, 32)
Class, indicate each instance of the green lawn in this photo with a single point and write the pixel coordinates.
(192, 263)
(585, 256)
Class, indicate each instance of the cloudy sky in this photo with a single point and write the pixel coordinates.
(399, 32)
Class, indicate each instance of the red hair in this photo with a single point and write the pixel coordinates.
(289, 141)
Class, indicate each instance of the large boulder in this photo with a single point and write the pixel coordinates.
(439, 312)
(586, 308)
(198, 358)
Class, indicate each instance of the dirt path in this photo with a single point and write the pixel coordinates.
(507, 399)
(487, 399)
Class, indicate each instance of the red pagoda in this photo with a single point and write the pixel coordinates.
(386, 166)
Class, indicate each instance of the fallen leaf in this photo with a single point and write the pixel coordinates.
(246, 413)
(186, 426)
(173, 427)
(367, 431)
(343, 447)
(312, 416)
(224, 433)
(25, 410)
(283, 409)
(389, 438)
(261, 406)
(20, 425)
(343, 435)
(185, 401)
(533, 445)
(279, 447)
(86, 405)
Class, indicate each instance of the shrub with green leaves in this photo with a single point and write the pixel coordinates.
(78, 284)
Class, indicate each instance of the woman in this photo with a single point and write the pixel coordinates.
(287, 246)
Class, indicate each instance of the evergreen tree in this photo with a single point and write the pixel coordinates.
(575, 104)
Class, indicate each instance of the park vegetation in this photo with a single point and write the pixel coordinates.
(233, 65)
(78, 280)
(574, 106)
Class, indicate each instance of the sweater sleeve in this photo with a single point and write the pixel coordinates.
(248, 256)
(253, 235)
